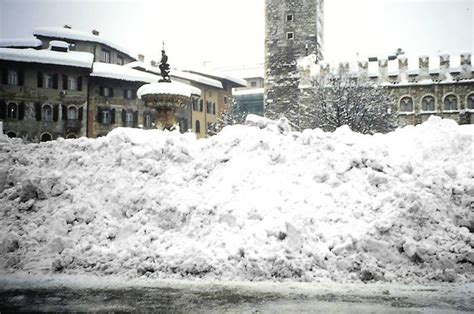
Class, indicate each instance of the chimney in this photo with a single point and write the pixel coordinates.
(141, 58)
(95, 32)
(67, 26)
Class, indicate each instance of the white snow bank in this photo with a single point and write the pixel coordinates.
(70, 58)
(250, 203)
(168, 88)
(119, 72)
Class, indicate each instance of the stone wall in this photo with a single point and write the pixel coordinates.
(294, 29)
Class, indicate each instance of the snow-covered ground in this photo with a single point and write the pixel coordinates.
(255, 202)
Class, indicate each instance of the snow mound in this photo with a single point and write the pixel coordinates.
(254, 203)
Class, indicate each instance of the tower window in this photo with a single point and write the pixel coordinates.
(290, 35)
(289, 17)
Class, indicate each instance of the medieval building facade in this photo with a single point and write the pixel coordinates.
(440, 85)
(68, 83)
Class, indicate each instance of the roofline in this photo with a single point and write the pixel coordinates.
(85, 41)
(219, 78)
(46, 63)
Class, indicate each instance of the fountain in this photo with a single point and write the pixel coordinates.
(166, 96)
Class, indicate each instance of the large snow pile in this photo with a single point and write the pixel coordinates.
(254, 202)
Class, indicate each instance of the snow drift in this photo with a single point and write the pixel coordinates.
(254, 202)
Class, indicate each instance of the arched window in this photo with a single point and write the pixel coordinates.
(12, 111)
(11, 134)
(72, 113)
(470, 101)
(45, 137)
(428, 103)
(71, 135)
(47, 113)
(198, 127)
(450, 102)
(406, 104)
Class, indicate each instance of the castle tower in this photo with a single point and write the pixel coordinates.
(293, 29)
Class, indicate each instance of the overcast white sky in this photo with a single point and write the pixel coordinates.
(227, 33)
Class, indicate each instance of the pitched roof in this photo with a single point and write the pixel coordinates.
(73, 34)
(70, 58)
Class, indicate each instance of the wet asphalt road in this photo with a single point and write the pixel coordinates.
(214, 301)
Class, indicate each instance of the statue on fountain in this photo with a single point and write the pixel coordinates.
(164, 67)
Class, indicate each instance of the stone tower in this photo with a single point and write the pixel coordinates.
(293, 29)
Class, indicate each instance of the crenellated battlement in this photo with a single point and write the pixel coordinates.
(401, 69)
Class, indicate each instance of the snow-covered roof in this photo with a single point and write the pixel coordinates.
(58, 43)
(138, 65)
(177, 74)
(253, 91)
(20, 42)
(73, 34)
(247, 73)
(196, 78)
(71, 58)
(237, 82)
(172, 88)
(119, 72)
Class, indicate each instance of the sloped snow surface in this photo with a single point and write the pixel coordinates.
(254, 202)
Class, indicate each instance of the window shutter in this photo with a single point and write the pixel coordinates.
(79, 83)
(135, 119)
(112, 116)
(64, 109)
(111, 92)
(40, 80)
(21, 111)
(80, 114)
(134, 94)
(214, 108)
(125, 94)
(3, 110)
(4, 76)
(64, 82)
(124, 113)
(55, 81)
(101, 91)
(38, 111)
(21, 77)
(55, 113)
(99, 115)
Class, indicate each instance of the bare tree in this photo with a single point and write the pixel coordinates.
(342, 99)
(233, 114)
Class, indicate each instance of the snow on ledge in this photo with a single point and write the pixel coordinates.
(173, 88)
(20, 42)
(119, 72)
(71, 58)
